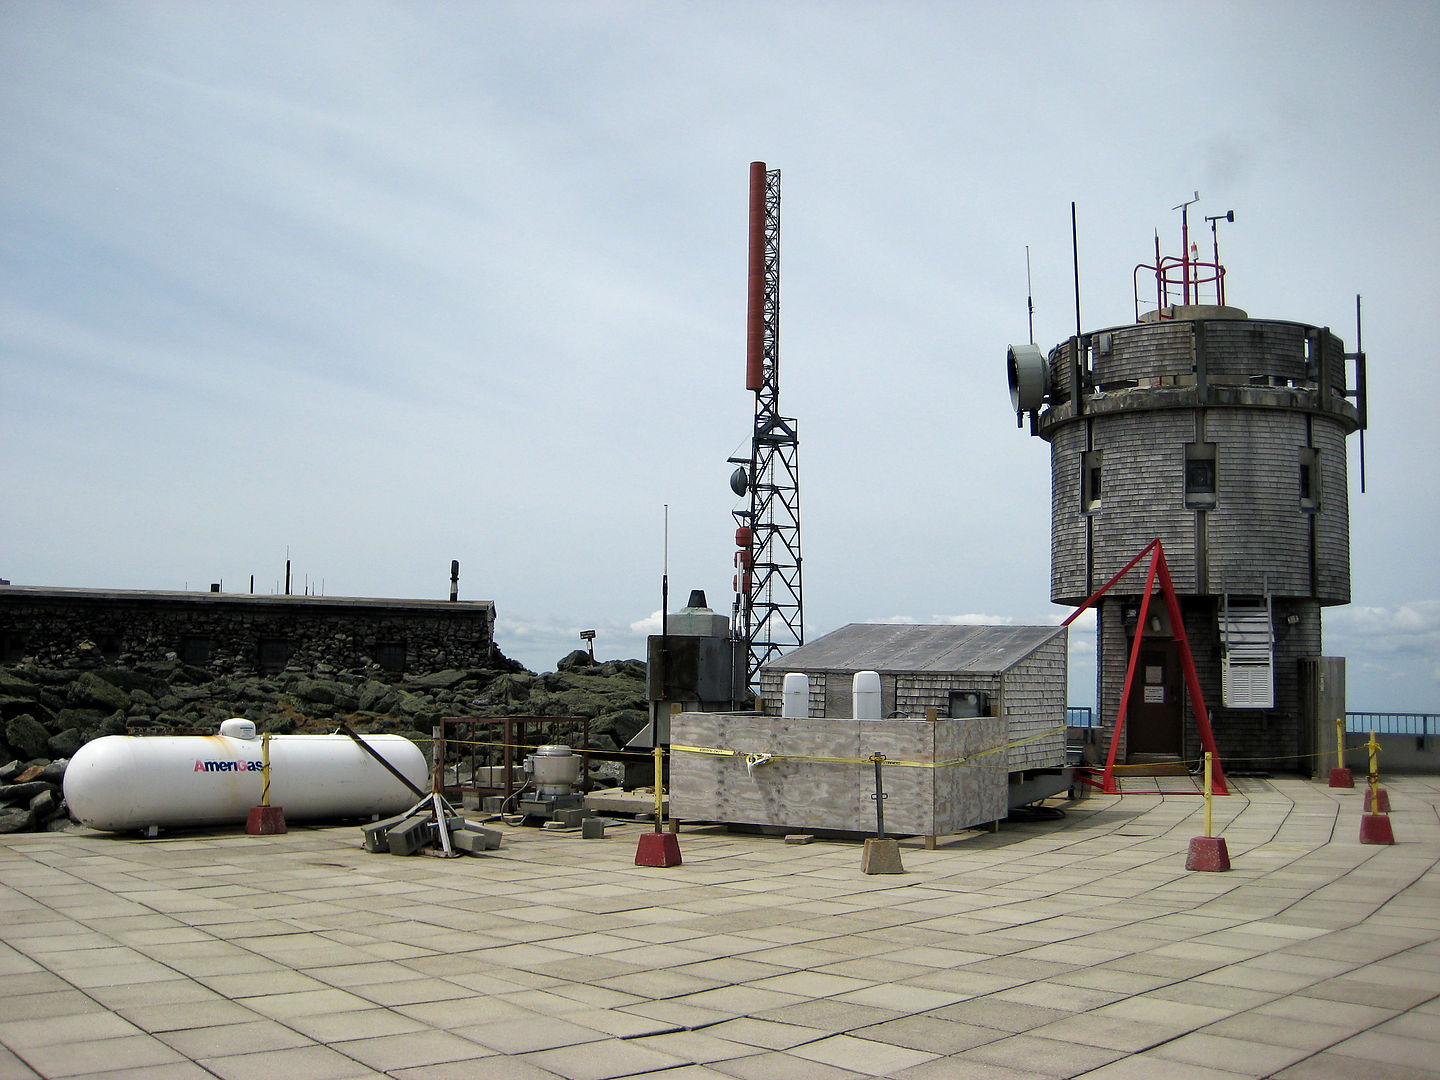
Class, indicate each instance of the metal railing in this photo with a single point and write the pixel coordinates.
(1382, 723)
(1393, 723)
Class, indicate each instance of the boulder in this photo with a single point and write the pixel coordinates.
(13, 684)
(377, 697)
(15, 819)
(21, 794)
(28, 737)
(575, 661)
(92, 691)
(437, 680)
(45, 805)
(63, 744)
(54, 773)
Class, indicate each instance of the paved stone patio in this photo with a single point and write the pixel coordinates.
(1074, 947)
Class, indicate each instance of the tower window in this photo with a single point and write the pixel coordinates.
(1309, 479)
(1200, 475)
(1090, 468)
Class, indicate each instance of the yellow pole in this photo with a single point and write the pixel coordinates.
(659, 773)
(265, 769)
(1340, 742)
(1209, 792)
(1374, 747)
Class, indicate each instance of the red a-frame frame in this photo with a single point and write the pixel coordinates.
(1158, 568)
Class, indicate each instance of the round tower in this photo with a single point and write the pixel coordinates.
(1224, 437)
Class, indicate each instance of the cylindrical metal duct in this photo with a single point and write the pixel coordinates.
(555, 769)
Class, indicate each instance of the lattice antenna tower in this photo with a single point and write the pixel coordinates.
(769, 614)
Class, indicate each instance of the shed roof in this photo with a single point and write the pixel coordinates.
(896, 647)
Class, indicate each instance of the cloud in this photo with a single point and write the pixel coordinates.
(647, 626)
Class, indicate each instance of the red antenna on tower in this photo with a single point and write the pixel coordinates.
(768, 615)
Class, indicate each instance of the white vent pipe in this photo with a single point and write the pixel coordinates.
(795, 704)
(865, 696)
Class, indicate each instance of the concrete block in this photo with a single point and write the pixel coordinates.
(1376, 829)
(474, 841)
(265, 821)
(410, 835)
(657, 849)
(1207, 853)
(592, 829)
(374, 834)
(491, 837)
(881, 856)
(569, 817)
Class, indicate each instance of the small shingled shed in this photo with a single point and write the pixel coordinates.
(970, 716)
(1015, 672)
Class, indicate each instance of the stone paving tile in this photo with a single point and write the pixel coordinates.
(1236, 1055)
(862, 1055)
(59, 1060)
(355, 1024)
(385, 1052)
(603, 1060)
(489, 1068)
(1042, 1056)
(226, 1039)
(46, 1004)
(49, 1031)
(530, 1034)
(930, 1033)
(310, 1062)
(1330, 1066)
(784, 1066)
(764, 1034)
(995, 956)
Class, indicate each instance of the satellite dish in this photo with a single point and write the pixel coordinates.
(1029, 376)
(739, 482)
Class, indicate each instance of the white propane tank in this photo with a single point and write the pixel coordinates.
(555, 769)
(795, 698)
(122, 782)
(865, 696)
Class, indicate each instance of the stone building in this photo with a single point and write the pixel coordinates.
(244, 633)
(1225, 437)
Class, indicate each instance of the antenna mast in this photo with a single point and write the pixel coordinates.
(768, 611)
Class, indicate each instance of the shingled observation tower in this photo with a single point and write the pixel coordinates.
(1225, 437)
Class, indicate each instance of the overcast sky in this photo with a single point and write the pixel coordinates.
(385, 285)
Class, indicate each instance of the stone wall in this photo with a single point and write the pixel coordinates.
(236, 634)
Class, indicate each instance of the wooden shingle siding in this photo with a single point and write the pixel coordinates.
(1268, 395)
(1144, 492)
(1258, 535)
(1033, 703)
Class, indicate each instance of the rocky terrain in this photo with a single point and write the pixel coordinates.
(46, 713)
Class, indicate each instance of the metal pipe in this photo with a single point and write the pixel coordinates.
(345, 729)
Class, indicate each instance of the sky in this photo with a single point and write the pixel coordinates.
(375, 286)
